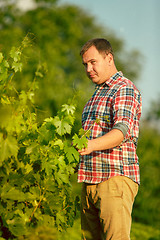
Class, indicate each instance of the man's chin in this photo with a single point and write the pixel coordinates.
(94, 79)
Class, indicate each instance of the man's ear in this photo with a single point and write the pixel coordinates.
(110, 58)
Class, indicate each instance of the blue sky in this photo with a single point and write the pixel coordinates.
(138, 23)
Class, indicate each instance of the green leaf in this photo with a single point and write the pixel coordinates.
(63, 126)
(81, 131)
(48, 166)
(5, 100)
(4, 70)
(61, 177)
(8, 147)
(71, 154)
(31, 96)
(49, 221)
(58, 142)
(17, 226)
(28, 168)
(79, 142)
(9, 192)
(23, 97)
(70, 109)
(4, 76)
(86, 133)
(31, 148)
(1, 57)
(60, 162)
(17, 66)
(6, 64)
(49, 120)
(33, 194)
(15, 54)
(59, 218)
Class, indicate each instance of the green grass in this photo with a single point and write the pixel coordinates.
(143, 232)
(139, 232)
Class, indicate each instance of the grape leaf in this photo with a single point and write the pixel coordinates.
(1, 57)
(8, 147)
(58, 142)
(71, 154)
(17, 226)
(9, 192)
(63, 126)
(17, 66)
(15, 54)
(70, 109)
(79, 142)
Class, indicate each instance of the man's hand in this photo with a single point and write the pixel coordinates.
(87, 150)
(107, 141)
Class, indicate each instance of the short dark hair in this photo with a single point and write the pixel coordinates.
(101, 44)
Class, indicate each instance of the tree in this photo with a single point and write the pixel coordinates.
(59, 32)
(154, 112)
(146, 209)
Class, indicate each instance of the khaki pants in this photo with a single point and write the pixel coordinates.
(106, 209)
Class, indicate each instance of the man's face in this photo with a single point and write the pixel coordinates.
(97, 65)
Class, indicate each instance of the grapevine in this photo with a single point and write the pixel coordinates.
(36, 160)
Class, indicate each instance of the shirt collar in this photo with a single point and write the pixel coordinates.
(110, 81)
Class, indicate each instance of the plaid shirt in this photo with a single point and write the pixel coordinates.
(115, 102)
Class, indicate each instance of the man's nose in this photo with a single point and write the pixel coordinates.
(89, 68)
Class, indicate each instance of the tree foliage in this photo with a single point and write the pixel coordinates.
(59, 33)
(154, 112)
(146, 209)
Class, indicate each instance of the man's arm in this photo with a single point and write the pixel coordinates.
(107, 141)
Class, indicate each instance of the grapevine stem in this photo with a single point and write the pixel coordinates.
(91, 126)
(88, 130)
(37, 206)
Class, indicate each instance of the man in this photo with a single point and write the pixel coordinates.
(109, 167)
